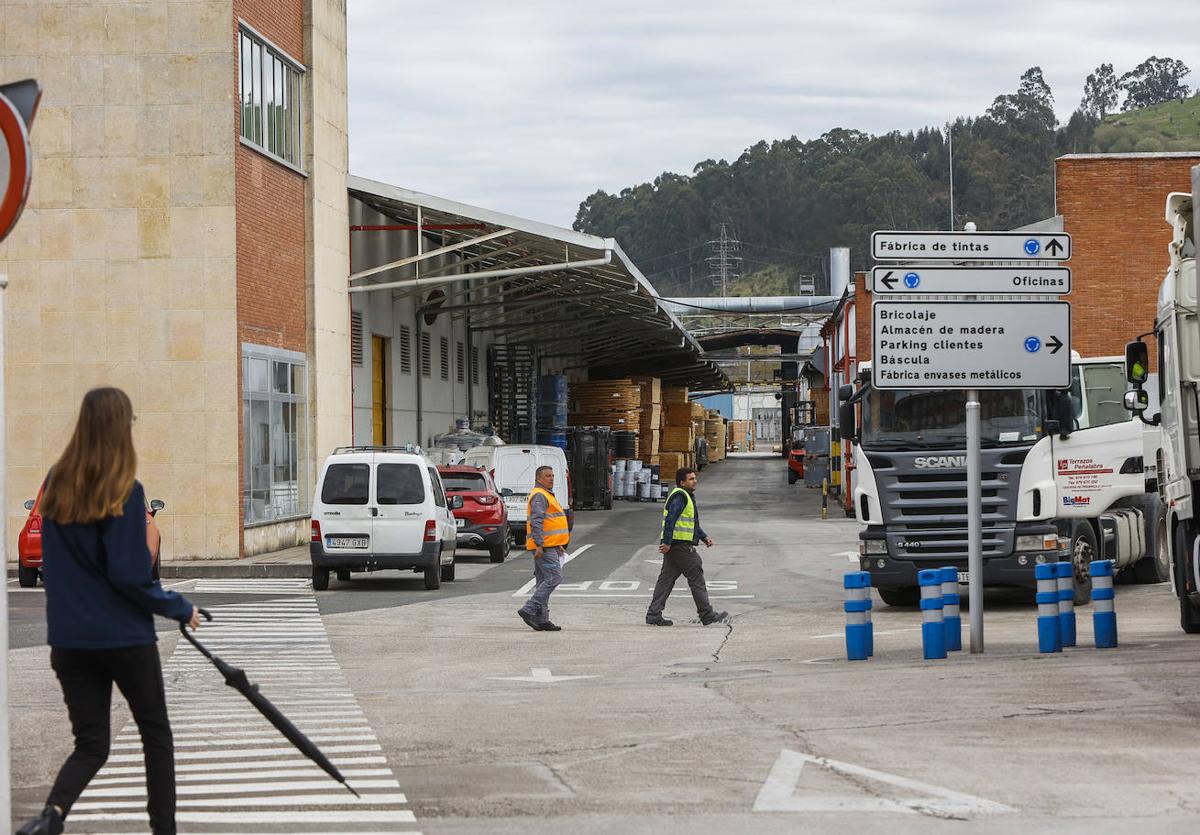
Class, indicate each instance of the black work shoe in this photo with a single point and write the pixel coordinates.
(49, 822)
(715, 617)
(549, 627)
(528, 618)
(658, 621)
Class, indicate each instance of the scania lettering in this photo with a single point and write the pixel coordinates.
(1177, 332)
(1062, 477)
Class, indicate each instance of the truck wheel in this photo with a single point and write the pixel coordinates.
(448, 573)
(433, 578)
(1083, 551)
(27, 577)
(320, 579)
(1189, 618)
(792, 476)
(1156, 567)
(903, 596)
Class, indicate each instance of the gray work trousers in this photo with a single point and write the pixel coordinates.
(547, 570)
(682, 558)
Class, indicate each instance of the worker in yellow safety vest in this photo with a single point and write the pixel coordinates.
(547, 532)
(681, 532)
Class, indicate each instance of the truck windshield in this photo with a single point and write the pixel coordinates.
(912, 419)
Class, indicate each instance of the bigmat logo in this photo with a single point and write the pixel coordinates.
(1076, 501)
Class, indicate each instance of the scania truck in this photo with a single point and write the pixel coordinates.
(1177, 332)
(1063, 477)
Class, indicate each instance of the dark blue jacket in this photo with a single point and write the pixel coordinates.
(100, 592)
(674, 509)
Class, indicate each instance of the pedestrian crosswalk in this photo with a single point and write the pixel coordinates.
(233, 768)
(242, 585)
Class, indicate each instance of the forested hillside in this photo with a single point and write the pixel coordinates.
(787, 201)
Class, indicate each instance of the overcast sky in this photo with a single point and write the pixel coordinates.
(529, 106)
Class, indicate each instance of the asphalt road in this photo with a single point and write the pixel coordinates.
(758, 725)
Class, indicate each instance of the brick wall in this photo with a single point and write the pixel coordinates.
(1113, 208)
(272, 283)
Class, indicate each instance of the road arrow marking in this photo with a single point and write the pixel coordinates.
(888, 281)
(539, 675)
(1054, 247)
(778, 793)
(1054, 343)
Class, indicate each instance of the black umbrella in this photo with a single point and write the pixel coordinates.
(236, 678)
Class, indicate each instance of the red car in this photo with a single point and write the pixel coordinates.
(482, 520)
(29, 541)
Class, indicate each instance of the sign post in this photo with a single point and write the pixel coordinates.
(969, 343)
(18, 104)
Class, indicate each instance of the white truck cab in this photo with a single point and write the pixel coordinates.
(378, 508)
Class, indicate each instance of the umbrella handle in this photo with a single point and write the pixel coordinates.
(183, 630)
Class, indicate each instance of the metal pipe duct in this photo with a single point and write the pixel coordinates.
(839, 270)
(745, 304)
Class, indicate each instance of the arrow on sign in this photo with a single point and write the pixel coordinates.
(1054, 247)
(888, 281)
(1054, 343)
(539, 675)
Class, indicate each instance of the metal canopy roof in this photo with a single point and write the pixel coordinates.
(571, 294)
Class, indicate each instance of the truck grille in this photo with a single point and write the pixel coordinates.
(926, 511)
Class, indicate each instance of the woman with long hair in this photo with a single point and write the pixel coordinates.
(101, 597)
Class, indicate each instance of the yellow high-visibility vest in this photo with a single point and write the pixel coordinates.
(554, 527)
(685, 525)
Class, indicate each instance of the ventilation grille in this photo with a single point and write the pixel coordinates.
(426, 356)
(356, 339)
(405, 350)
(474, 366)
(460, 362)
(444, 343)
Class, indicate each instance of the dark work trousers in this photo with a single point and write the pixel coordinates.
(547, 571)
(682, 558)
(87, 677)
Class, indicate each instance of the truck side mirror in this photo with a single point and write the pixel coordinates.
(845, 392)
(1137, 401)
(846, 427)
(1137, 363)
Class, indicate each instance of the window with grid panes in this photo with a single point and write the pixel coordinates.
(271, 92)
(274, 410)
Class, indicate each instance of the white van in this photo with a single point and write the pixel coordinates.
(381, 507)
(512, 467)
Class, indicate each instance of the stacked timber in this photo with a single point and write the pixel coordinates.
(678, 433)
(650, 419)
(715, 434)
(741, 435)
(612, 403)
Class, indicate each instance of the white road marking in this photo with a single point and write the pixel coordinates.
(539, 675)
(234, 768)
(778, 792)
(241, 585)
(851, 556)
(528, 587)
(558, 596)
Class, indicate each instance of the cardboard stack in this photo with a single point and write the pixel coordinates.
(715, 434)
(650, 419)
(741, 435)
(678, 435)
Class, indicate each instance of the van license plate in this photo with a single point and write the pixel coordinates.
(346, 541)
(964, 576)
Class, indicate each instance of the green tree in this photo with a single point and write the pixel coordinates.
(1154, 81)
(1101, 92)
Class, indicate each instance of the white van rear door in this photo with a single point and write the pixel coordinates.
(557, 461)
(402, 505)
(515, 470)
(343, 509)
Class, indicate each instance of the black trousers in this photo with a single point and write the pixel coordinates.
(87, 677)
(681, 558)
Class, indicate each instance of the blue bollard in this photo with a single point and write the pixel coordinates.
(870, 607)
(933, 629)
(858, 615)
(1104, 608)
(1048, 629)
(951, 613)
(1065, 581)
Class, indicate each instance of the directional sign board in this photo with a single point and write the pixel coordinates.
(970, 246)
(914, 280)
(971, 345)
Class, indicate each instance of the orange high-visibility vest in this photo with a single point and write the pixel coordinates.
(554, 527)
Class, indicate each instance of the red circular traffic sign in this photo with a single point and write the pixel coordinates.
(16, 165)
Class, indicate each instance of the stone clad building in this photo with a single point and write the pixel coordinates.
(186, 240)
